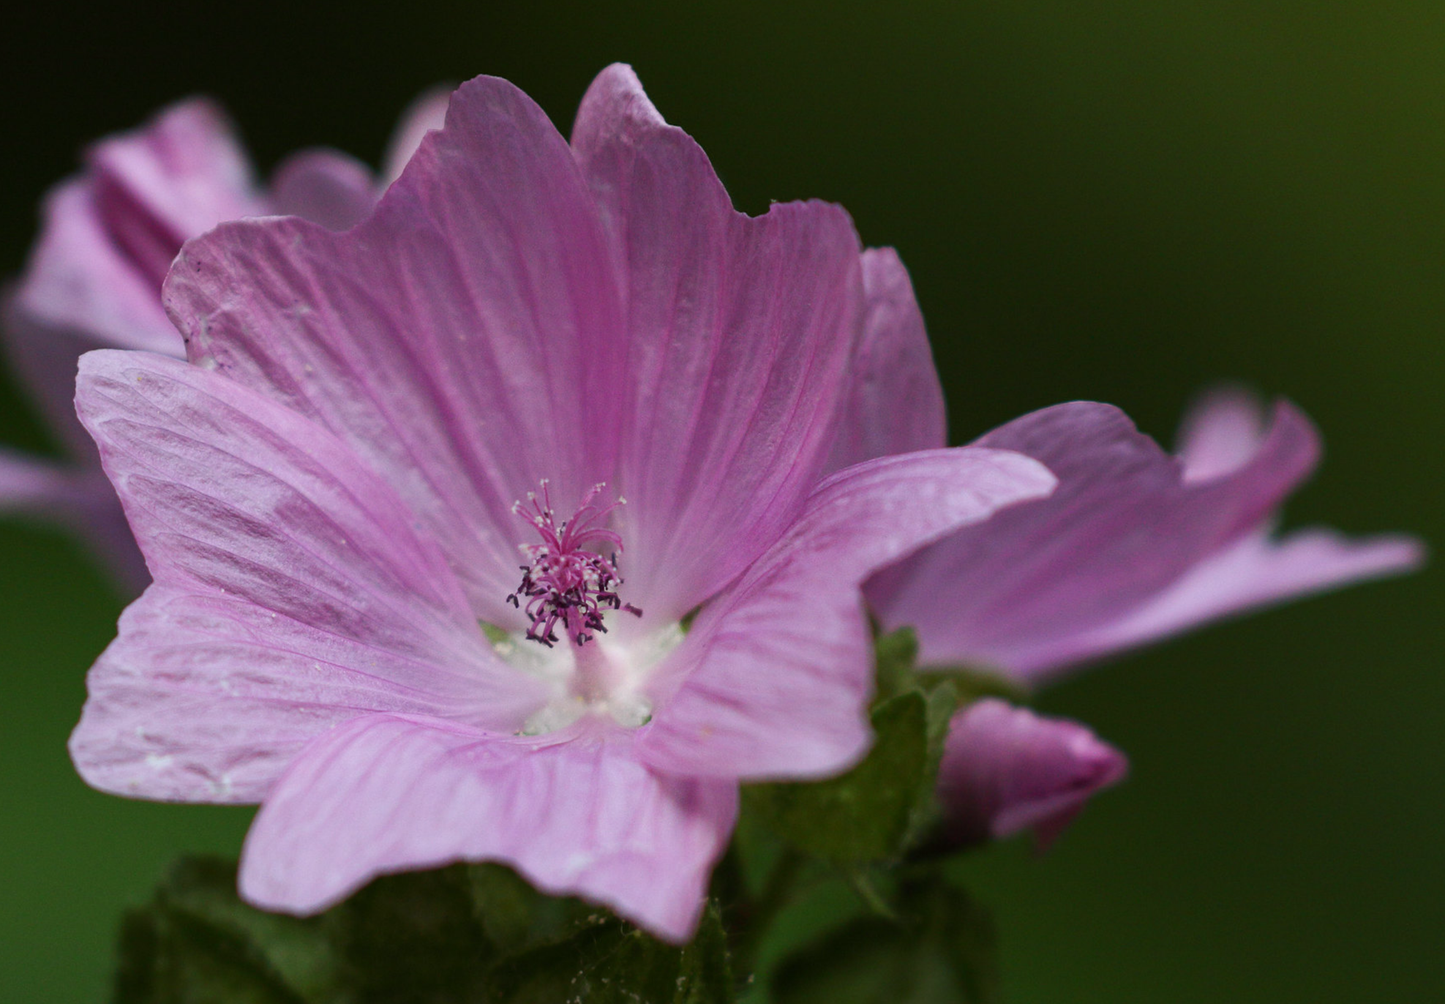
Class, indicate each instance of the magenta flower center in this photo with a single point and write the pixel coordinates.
(569, 582)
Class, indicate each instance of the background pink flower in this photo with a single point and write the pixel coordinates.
(93, 279)
(1135, 545)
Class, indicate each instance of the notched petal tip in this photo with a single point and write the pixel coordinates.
(615, 105)
(427, 113)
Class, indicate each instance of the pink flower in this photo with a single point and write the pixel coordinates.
(391, 434)
(1135, 545)
(94, 277)
(1006, 769)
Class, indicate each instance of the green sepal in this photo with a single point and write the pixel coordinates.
(865, 814)
(877, 810)
(973, 683)
(894, 656)
(940, 950)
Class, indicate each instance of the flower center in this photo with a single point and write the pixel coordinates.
(569, 594)
(569, 583)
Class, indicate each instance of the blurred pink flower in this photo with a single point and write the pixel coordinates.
(1135, 545)
(93, 280)
(1006, 769)
(330, 500)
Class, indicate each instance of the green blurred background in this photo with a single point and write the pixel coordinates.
(1122, 201)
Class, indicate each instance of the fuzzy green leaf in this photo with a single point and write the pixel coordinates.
(895, 655)
(414, 937)
(197, 942)
(865, 814)
(464, 934)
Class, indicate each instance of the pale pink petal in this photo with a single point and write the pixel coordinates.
(774, 677)
(74, 494)
(1006, 769)
(423, 115)
(100, 521)
(1220, 433)
(292, 592)
(110, 234)
(44, 356)
(78, 279)
(38, 487)
(464, 339)
(1255, 572)
(325, 187)
(574, 812)
(79, 499)
(896, 402)
(740, 334)
(1122, 527)
(177, 176)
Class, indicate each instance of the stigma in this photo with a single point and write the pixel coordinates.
(571, 577)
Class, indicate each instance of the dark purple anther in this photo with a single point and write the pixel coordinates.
(566, 584)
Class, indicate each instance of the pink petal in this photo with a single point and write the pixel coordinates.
(44, 356)
(1255, 572)
(178, 176)
(101, 523)
(109, 235)
(896, 403)
(464, 339)
(741, 331)
(31, 485)
(78, 279)
(1006, 769)
(1122, 527)
(325, 187)
(1220, 434)
(79, 499)
(291, 592)
(426, 113)
(774, 678)
(575, 812)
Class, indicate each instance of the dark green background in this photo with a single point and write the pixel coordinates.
(1114, 200)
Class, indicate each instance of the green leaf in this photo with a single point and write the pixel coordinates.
(464, 934)
(611, 962)
(196, 942)
(517, 917)
(894, 657)
(865, 814)
(941, 951)
(973, 683)
(943, 701)
(413, 937)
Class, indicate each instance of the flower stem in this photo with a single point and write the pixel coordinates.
(763, 910)
(863, 885)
